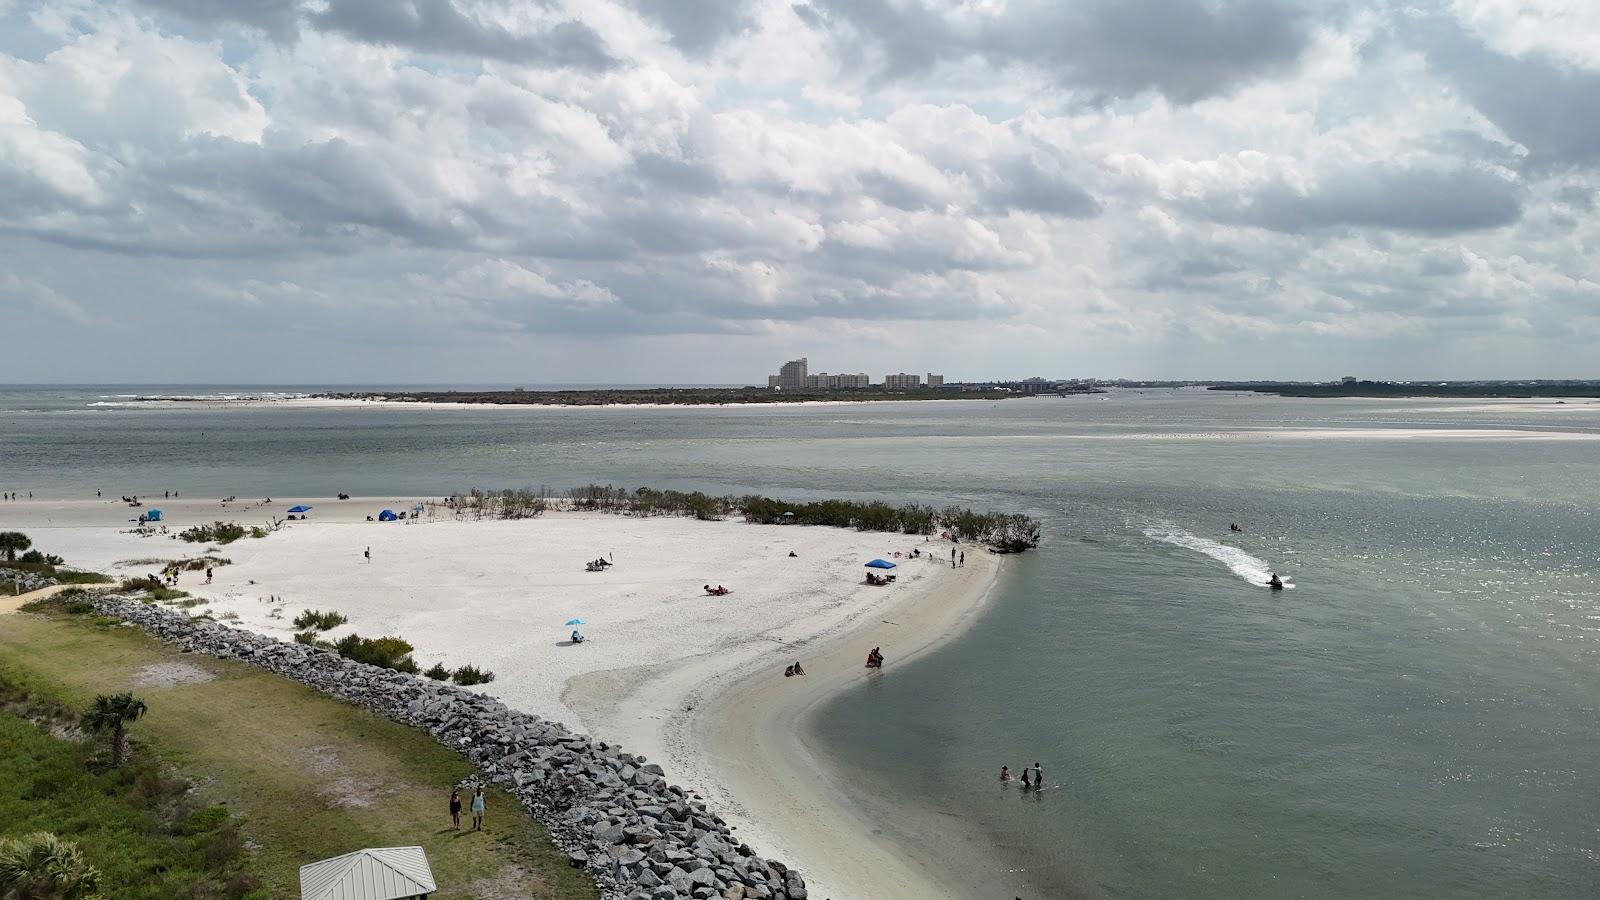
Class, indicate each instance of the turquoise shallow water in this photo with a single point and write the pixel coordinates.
(1414, 719)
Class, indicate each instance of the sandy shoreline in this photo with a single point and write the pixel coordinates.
(694, 682)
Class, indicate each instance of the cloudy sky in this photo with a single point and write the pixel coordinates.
(657, 191)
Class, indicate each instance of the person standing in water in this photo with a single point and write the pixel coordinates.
(1027, 779)
(1038, 776)
(1005, 773)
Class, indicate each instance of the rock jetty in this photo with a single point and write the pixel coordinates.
(613, 813)
(25, 581)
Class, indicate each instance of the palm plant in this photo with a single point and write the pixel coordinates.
(13, 541)
(112, 714)
(41, 866)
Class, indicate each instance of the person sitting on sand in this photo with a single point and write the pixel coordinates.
(797, 668)
(788, 671)
(794, 555)
(1005, 773)
(577, 636)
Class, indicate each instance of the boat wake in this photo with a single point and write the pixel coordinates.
(1242, 564)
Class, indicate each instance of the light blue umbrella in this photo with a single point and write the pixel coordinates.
(576, 622)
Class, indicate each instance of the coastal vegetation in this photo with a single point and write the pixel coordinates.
(469, 675)
(386, 652)
(304, 777)
(111, 714)
(37, 563)
(153, 587)
(84, 829)
(507, 504)
(319, 621)
(219, 533)
(41, 865)
(13, 542)
(669, 396)
(1005, 532)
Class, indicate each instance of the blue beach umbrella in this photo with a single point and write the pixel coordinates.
(576, 622)
(880, 564)
(300, 509)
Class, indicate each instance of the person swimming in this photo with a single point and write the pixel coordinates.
(1005, 773)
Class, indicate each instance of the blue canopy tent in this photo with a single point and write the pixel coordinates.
(387, 516)
(302, 508)
(153, 515)
(880, 564)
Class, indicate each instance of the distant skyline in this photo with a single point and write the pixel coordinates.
(635, 191)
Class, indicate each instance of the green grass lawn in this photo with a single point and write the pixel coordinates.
(307, 776)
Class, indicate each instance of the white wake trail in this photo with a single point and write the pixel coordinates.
(1256, 571)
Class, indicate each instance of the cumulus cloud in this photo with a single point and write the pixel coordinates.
(1010, 184)
(1186, 50)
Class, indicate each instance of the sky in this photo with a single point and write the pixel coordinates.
(692, 191)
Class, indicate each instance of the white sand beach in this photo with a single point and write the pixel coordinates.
(692, 681)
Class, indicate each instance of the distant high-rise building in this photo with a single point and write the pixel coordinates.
(902, 382)
(853, 381)
(792, 375)
(772, 381)
(935, 380)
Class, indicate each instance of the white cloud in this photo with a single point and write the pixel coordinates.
(883, 173)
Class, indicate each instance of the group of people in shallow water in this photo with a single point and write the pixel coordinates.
(1032, 778)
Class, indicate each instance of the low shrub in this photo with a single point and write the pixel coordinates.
(471, 675)
(386, 652)
(319, 621)
(310, 639)
(438, 672)
(220, 532)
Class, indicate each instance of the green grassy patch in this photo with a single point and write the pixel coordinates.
(136, 824)
(307, 776)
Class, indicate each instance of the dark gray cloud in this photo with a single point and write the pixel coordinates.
(1545, 105)
(440, 26)
(1185, 49)
(443, 27)
(698, 26)
(279, 19)
(1429, 201)
(1039, 186)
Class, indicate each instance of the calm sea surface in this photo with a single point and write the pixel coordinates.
(1416, 718)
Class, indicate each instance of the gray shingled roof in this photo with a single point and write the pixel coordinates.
(381, 873)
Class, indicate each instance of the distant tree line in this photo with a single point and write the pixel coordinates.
(1005, 532)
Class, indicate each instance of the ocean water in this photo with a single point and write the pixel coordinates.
(1416, 718)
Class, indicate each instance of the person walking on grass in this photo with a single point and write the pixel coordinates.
(477, 810)
(455, 810)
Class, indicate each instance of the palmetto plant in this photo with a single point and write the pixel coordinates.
(13, 541)
(112, 714)
(41, 866)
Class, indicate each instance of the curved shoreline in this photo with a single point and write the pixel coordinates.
(771, 777)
